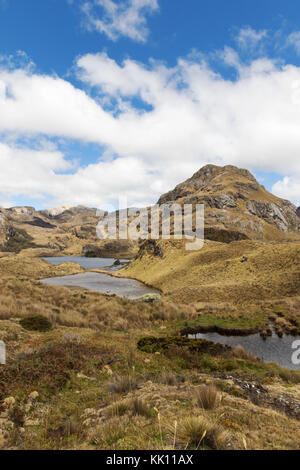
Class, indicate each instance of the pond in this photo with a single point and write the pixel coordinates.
(103, 283)
(88, 263)
(273, 349)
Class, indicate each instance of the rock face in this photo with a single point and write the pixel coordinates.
(235, 203)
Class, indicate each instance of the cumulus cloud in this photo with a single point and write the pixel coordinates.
(289, 188)
(126, 18)
(45, 175)
(166, 123)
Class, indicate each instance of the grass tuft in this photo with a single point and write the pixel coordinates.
(207, 397)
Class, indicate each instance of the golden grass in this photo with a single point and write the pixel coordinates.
(22, 295)
(207, 397)
(215, 274)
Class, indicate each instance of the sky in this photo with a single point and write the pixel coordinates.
(102, 99)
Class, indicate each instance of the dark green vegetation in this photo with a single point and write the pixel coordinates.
(36, 323)
(153, 344)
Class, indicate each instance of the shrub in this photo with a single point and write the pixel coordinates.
(207, 397)
(36, 323)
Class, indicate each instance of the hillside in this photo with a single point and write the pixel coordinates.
(250, 262)
(58, 231)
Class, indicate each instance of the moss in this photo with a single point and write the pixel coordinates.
(36, 323)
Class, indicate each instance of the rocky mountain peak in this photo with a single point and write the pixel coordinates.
(234, 201)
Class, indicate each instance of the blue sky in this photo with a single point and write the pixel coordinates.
(103, 98)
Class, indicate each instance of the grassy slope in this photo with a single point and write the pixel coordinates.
(215, 277)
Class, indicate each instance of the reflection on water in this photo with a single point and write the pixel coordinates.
(273, 349)
(88, 263)
(103, 283)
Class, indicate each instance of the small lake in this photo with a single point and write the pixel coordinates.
(273, 349)
(88, 263)
(103, 283)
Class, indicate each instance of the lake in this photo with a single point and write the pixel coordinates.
(88, 263)
(103, 283)
(273, 349)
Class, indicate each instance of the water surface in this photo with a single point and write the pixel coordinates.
(88, 263)
(103, 283)
(273, 349)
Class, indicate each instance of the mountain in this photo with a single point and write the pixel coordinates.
(236, 205)
(251, 253)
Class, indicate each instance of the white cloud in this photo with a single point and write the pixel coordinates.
(43, 174)
(289, 188)
(294, 40)
(192, 116)
(249, 38)
(122, 18)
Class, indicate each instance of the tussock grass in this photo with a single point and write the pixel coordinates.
(207, 397)
(110, 432)
(198, 431)
(239, 351)
(123, 384)
(140, 407)
(167, 377)
(134, 406)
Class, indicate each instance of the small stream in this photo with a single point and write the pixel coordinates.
(272, 349)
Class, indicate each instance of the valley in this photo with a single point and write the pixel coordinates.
(92, 370)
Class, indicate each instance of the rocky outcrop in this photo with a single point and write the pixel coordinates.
(150, 246)
(283, 215)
